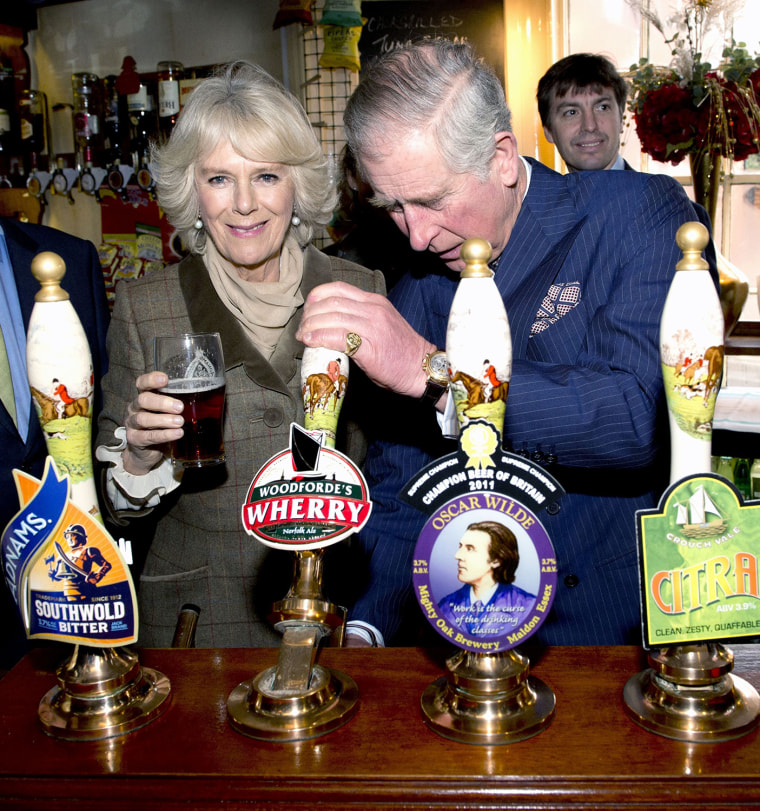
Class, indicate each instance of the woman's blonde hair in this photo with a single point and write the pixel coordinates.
(263, 121)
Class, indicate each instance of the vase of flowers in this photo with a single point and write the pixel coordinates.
(689, 109)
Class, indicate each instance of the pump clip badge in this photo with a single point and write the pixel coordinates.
(699, 554)
(485, 572)
(306, 497)
(65, 572)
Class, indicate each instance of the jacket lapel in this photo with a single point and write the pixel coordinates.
(545, 231)
(22, 248)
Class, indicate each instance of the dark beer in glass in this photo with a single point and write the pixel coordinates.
(195, 368)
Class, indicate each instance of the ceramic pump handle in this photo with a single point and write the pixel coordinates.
(691, 355)
(478, 341)
(61, 378)
(324, 381)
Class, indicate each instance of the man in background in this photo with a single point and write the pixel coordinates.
(581, 101)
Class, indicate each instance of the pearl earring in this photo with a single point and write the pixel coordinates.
(198, 223)
(295, 220)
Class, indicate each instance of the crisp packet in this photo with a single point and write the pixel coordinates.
(346, 13)
(341, 47)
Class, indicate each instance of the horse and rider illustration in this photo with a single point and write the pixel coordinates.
(60, 405)
(321, 386)
(701, 375)
(486, 389)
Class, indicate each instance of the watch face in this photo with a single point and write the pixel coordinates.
(438, 363)
(437, 367)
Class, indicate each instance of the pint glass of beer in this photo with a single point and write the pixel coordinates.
(195, 368)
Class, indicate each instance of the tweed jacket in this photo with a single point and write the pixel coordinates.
(584, 278)
(200, 552)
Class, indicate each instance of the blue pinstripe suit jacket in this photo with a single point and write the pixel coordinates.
(588, 388)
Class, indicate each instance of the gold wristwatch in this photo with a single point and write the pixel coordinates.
(436, 367)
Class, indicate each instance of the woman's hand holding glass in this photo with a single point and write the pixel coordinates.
(153, 421)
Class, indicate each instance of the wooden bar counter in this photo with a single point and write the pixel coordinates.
(591, 756)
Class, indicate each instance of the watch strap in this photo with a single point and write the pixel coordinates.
(433, 392)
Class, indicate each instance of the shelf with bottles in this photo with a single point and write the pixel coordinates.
(114, 121)
(741, 471)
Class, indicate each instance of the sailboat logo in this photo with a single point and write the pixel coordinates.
(699, 517)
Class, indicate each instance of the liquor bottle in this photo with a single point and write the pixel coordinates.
(142, 124)
(754, 479)
(5, 147)
(169, 75)
(741, 477)
(115, 122)
(726, 468)
(33, 128)
(7, 116)
(88, 131)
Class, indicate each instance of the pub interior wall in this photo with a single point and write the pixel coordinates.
(96, 35)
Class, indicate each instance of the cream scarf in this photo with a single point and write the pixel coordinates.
(263, 308)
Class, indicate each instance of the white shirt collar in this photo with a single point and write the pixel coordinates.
(619, 163)
(489, 594)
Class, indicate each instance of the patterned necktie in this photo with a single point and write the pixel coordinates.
(6, 384)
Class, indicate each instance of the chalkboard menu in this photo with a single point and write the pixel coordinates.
(391, 23)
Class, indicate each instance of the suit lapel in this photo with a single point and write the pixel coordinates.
(545, 230)
(22, 248)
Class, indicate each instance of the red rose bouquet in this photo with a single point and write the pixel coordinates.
(690, 108)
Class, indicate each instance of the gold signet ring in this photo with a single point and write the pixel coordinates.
(353, 342)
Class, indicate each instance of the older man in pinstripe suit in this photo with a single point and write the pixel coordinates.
(583, 264)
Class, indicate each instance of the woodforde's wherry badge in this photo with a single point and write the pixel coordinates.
(65, 572)
(485, 571)
(306, 497)
(698, 556)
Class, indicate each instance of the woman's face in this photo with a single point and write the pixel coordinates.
(246, 207)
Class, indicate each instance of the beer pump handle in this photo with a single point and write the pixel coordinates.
(324, 381)
(61, 379)
(691, 355)
(478, 341)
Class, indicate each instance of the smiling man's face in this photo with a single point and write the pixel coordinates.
(585, 126)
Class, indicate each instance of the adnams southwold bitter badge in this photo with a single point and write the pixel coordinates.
(65, 572)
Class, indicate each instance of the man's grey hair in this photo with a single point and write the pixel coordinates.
(435, 85)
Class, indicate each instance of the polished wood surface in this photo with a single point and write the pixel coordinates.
(591, 756)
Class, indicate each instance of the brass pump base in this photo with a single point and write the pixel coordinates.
(255, 709)
(689, 694)
(102, 693)
(488, 698)
(297, 699)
